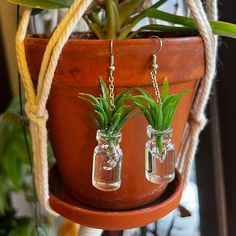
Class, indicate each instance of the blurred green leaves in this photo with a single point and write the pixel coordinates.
(14, 162)
(43, 4)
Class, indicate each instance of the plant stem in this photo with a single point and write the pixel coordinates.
(159, 140)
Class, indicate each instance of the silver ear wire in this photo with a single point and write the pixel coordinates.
(112, 61)
(161, 44)
(154, 56)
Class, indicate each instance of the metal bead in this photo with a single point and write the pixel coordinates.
(154, 66)
(111, 68)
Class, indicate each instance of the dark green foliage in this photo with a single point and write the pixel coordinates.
(107, 119)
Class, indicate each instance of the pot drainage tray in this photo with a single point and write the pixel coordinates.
(68, 207)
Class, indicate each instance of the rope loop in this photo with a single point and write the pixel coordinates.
(197, 121)
(31, 111)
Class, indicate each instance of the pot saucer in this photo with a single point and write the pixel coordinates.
(65, 205)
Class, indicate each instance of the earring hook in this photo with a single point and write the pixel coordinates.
(161, 44)
(111, 53)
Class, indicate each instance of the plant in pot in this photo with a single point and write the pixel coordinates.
(80, 64)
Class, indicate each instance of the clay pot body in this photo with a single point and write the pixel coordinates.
(71, 131)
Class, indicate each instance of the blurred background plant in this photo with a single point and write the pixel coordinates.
(16, 177)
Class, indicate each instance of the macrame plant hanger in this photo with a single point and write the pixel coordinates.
(35, 106)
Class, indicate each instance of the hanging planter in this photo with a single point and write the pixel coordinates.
(72, 133)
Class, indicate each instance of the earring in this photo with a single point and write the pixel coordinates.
(159, 150)
(110, 115)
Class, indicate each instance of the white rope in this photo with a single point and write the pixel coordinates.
(36, 103)
(197, 118)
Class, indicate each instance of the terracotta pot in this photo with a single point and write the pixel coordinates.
(71, 131)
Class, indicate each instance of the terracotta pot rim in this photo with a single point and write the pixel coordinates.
(164, 39)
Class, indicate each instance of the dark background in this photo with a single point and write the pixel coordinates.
(226, 86)
(216, 160)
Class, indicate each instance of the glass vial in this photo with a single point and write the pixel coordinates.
(159, 156)
(107, 162)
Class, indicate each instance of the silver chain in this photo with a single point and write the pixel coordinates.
(154, 68)
(111, 78)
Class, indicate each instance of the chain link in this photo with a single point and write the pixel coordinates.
(111, 78)
(154, 68)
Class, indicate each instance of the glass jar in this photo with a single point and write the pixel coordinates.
(107, 162)
(159, 156)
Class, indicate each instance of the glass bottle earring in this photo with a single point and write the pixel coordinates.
(159, 149)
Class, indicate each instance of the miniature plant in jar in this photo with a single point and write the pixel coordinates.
(109, 118)
(159, 150)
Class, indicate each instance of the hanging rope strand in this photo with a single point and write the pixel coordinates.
(53, 41)
(197, 118)
(36, 105)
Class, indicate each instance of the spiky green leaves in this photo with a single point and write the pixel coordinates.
(159, 116)
(109, 120)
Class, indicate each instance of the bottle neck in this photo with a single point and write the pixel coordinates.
(165, 135)
(108, 138)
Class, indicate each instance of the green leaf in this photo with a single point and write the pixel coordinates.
(102, 119)
(105, 91)
(126, 9)
(90, 114)
(150, 101)
(90, 96)
(178, 31)
(94, 27)
(114, 122)
(165, 89)
(23, 228)
(14, 170)
(106, 107)
(159, 3)
(87, 100)
(143, 92)
(43, 4)
(110, 25)
(144, 109)
(159, 117)
(125, 119)
(127, 111)
(223, 29)
(119, 99)
(36, 11)
(159, 140)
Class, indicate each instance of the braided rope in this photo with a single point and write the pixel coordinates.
(197, 119)
(36, 103)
